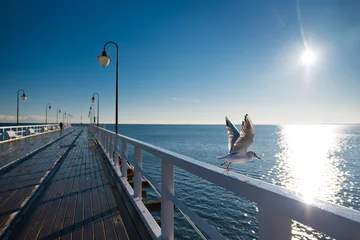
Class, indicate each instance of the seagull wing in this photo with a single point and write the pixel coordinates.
(234, 134)
(246, 136)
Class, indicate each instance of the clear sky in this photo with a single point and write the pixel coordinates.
(182, 61)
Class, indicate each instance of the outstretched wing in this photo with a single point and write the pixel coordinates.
(246, 136)
(233, 134)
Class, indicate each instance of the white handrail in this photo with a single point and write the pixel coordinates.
(23, 131)
(277, 205)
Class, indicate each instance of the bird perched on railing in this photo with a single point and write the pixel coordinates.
(239, 142)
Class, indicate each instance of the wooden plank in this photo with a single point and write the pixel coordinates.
(69, 219)
(43, 211)
(78, 221)
(88, 208)
(60, 215)
(97, 217)
(117, 222)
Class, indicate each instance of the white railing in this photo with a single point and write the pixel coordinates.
(27, 131)
(277, 205)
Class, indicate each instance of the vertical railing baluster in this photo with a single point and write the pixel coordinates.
(105, 143)
(108, 143)
(116, 154)
(111, 150)
(137, 173)
(110, 146)
(272, 225)
(113, 147)
(167, 207)
(124, 154)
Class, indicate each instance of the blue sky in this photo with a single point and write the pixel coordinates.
(182, 61)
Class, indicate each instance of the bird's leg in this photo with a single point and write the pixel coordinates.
(223, 163)
(227, 168)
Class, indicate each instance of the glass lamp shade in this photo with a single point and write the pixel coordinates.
(59, 111)
(49, 107)
(93, 99)
(24, 97)
(104, 60)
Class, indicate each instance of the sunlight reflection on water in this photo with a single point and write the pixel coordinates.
(306, 162)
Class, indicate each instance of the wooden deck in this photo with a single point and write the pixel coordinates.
(65, 191)
(13, 151)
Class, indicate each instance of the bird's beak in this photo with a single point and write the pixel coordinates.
(257, 157)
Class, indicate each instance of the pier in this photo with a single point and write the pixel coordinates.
(56, 185)
(79, 183)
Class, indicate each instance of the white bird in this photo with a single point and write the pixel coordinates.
(239, 142)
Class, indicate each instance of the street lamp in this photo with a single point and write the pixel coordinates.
(92, 111)
(57, 113)
(98, 100)
(90, 115)
(104, 60)
(24, 97)
(64, 114)
(48, 105)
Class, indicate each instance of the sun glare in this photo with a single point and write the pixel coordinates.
(308, 57)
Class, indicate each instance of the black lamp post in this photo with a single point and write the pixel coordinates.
(104, 61)
(48, 105)
(98, 100)
(57, 113)
(24, 97)
(92, 110)
(64, 115)
(89, 115)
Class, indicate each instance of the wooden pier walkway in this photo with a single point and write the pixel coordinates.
(63, 191)
(11, 152)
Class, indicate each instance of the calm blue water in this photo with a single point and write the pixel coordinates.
(318, 161)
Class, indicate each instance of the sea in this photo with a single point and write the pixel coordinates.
(317, 161)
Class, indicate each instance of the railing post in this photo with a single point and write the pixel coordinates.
(111, 146)
(116, 150)
(137, 173)
(124, 155)
(272, 225)
(108, 143)
(101, 137)
(167, 207)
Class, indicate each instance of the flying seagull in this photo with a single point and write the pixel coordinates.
(239, 142)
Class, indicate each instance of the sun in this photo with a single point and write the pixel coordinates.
(308, 57)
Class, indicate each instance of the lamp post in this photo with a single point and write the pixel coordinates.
(24, 97)
(48, 105)
(98, 101)
(57, 113)
(89, 115)
(92, 110)
(104, 61)
(64, 115)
